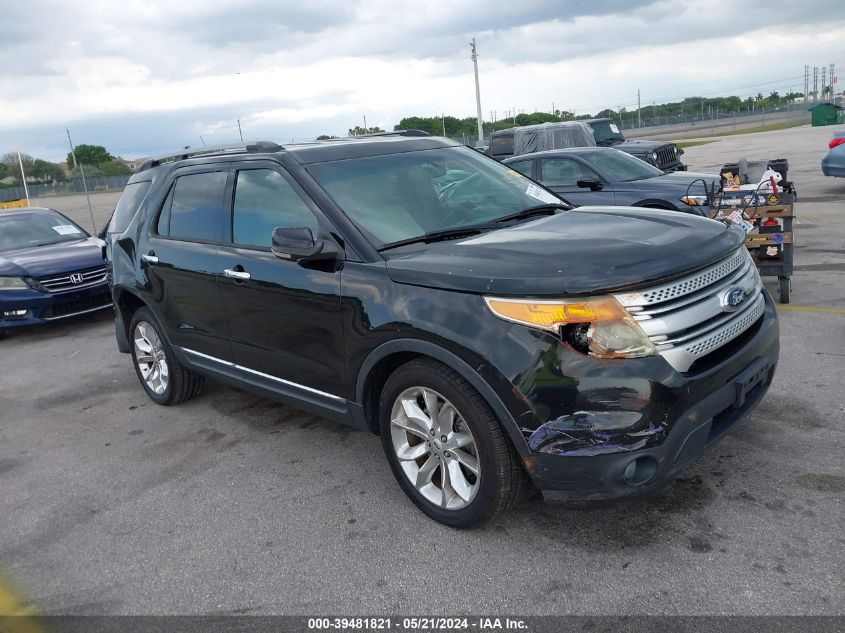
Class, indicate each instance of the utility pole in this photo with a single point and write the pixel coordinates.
(513, 113)
(639, 120)
(239, 130)
(23, 175)
(815, 83)
(806, 82)
(84, 184)
(477, 91)
(443, 118)
(824, 81)
(365, 124)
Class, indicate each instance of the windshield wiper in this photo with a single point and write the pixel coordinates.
(442, 234)
(540, 209)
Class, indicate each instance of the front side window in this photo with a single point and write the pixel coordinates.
(620, 166)
(264, 200)
(400, 196)
(193, 207)
(564, 172)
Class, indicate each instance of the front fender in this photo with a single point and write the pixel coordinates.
(470, 374)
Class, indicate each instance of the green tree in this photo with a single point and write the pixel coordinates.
(115, 167)
(90, 171)
(89, 155)
(44, 171)
(325, 137)
(10, 159)
(359, 131)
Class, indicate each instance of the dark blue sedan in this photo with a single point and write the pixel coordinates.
(606, 176)
(50, 269)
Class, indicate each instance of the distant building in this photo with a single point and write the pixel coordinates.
(135, 163)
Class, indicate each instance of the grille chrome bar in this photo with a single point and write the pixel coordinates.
(688, 318)
(64, 283)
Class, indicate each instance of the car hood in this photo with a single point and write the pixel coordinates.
(640, 146)
(54, 259)
(679, 180)
(582, 251)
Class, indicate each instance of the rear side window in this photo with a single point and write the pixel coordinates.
(193, 207)
(564, 172)
(264, 200)
(128, 205)
(501, 145)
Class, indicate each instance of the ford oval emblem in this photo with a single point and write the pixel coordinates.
(732, 298)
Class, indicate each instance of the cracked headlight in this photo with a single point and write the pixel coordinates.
(597, 326)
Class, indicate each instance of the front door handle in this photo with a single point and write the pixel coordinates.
(237, 275)
(150, 258)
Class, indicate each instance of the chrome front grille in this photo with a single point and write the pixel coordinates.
(691, 317)
(74, 281)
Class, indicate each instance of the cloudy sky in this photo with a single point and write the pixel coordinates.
(142, 77)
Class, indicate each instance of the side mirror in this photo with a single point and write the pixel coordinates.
(295, 244)
(592, 185)
(299, 245)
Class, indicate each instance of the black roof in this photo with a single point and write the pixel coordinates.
(314, 151)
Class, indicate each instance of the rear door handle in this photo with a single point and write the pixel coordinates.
(150, 258)
(237, 275)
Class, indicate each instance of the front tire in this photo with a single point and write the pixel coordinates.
(445, 446)
(162, 376)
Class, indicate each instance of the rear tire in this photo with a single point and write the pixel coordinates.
(162, 376)
(468, 479)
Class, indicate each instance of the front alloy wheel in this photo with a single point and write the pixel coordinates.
(446, 447)
(435, 448)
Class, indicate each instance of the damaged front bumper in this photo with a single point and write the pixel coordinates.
(626, 430)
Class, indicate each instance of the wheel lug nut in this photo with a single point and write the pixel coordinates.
(432, 432)
(446, 455)
(443, 438)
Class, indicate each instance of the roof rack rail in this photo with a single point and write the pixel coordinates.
(398, 133)
(255, 147)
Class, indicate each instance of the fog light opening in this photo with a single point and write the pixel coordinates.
(15, 314)
(640, 470)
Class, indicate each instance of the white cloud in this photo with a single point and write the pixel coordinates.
(146, 76)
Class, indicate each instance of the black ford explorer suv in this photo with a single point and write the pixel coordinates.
(411, 286)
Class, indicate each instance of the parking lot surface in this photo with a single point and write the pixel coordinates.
(110, 504)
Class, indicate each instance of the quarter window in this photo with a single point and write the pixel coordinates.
(193, 207)
(264, 200)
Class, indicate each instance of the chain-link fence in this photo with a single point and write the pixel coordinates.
(41, 190)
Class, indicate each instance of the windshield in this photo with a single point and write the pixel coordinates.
(619, 166)
(606, 132)
(397, 197)
(24, 230)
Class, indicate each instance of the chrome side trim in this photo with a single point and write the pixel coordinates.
(295, 385)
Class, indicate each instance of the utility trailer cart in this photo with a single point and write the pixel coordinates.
(769, 230)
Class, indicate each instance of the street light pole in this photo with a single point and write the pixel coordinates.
(477, 91)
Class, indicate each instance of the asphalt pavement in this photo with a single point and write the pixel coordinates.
(233, 504)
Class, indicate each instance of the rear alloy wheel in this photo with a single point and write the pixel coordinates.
(163, 377)
(446, 447)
